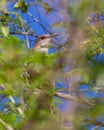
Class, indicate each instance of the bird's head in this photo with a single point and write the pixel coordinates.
(44, 39)
(47, 36)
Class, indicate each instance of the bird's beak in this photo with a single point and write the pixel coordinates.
(54, 35)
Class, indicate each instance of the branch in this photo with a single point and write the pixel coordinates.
(8, 127)
(72, 98)
(99, 89)
(90, 122)
(67, 97)
(94, 122)
(24, 33)
(32, 34)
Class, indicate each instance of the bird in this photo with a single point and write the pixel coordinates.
(42, 43)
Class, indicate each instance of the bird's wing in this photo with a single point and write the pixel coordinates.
(36, 43)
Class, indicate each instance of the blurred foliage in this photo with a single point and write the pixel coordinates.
(31, 76)
(22, 5)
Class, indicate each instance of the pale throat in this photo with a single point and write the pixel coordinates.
(44, 43)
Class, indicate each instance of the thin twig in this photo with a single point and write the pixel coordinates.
(18, 108)
(97, 126)
(27, 40)
(35, 20)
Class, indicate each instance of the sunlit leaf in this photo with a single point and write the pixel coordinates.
(5, 31)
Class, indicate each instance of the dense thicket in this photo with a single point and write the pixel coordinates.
(33, 83)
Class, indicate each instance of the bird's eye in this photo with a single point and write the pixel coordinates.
(42, 37)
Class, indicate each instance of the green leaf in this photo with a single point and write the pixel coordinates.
(47, 7)
(22, 6)
(4, 31)
(18, 5)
